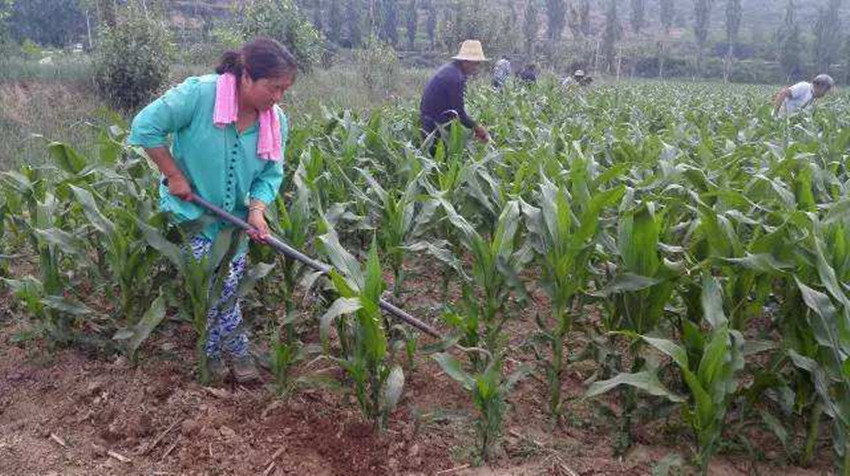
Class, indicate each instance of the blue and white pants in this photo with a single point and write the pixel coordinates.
(224, 335)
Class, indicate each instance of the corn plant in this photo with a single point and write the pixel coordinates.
(636, 296)
(378, 383)
(496, 264)
(829, 318)
(564, 247)
(202, 280)
(712, 379)
(489, 389)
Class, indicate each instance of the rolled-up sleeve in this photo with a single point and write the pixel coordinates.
(168, 114)
(267, 184)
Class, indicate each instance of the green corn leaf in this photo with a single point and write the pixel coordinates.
(341, 306)
(646, 381)
(760, 262)
(92, 212)
(712, 302)
(627, 282)
(66, 306)
(254, 276)
(670, 349)
(169, 250)
(827, 326)
(393, 388)
(453, 368)
(65, 241)
(637, 239)
(342, 260)
(66, 157)
(145, 327)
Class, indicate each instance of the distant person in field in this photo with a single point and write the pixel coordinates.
(443, 98)
(501, 72)
(578, 78)
(529, 73)
(227, 137)
(794, 99)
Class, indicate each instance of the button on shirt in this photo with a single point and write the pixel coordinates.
(221, 163)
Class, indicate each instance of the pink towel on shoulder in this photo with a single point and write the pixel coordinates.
(227, 107)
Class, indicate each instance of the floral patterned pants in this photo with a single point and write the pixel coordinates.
(224, 334)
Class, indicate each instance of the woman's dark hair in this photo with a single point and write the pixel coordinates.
(260, 58)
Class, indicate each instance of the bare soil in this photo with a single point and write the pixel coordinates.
(65, 412)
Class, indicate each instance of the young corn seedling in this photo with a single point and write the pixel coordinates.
(711, 380)
(496, 265)
(203, 280)
(127, 255)
(378, 383)
(403, 219)
(564, 246)
(489, 389)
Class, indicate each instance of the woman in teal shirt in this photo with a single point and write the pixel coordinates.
(227, 144)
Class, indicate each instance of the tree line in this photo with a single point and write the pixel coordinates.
(534, 27)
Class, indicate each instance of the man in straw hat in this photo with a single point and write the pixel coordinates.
(794, 99)
(442, 100)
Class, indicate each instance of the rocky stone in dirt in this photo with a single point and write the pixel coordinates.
(190, 428)
(98, 451)
(413, 452)
(94, 388)
(227, 432)
(208, 432)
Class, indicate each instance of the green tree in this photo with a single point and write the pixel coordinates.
(318, 17)
(827, 32)
(667, 9)
(5, 13)
(133, 60)
(335, 21)
(388, 21)
(283, 21)
(477, 19)
(353, 22)
(702, 22)
(733, 26)
(611, 35)
(412, 24)
(47, 22)
(431, 23)
(638, 18)
(556, 14)
(530, 25)
(790, 45)
(584, 16)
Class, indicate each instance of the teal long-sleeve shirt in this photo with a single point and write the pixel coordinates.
(221, 164)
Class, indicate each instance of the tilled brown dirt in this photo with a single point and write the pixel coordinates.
(65, 412)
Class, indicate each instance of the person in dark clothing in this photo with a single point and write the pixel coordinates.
(442, 100)
(529, 73)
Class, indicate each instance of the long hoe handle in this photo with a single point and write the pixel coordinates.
(323, 268)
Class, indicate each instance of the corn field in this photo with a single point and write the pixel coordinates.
(691, 247)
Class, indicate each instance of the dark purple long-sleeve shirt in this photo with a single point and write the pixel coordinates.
(442, 100)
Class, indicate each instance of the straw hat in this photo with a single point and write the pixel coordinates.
(471, 50)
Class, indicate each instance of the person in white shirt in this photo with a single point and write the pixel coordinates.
(794, 99)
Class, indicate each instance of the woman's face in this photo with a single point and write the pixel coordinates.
(263, 94)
